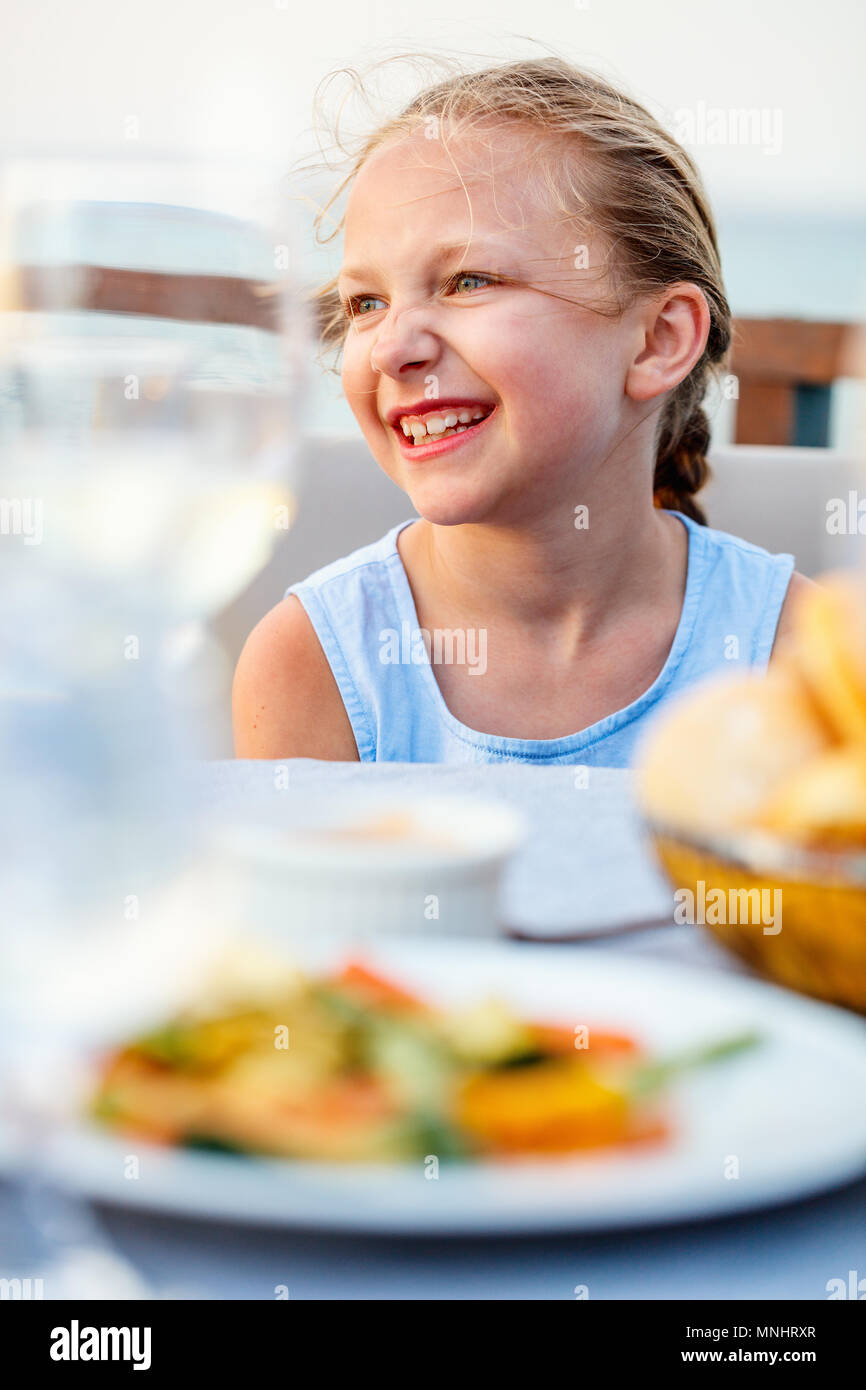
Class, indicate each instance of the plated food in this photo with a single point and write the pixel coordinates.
(785, 1108)
(758, 782)
(349, 1065)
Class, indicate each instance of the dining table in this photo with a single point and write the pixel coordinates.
(584, 880)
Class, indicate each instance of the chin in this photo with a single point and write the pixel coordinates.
(443, 508)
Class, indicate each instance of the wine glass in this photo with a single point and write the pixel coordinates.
(152, 351)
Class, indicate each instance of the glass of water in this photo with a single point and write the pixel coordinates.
(153, 343)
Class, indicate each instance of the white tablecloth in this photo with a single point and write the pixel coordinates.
(586, 863)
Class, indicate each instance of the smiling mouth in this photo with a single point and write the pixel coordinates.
(429, 443)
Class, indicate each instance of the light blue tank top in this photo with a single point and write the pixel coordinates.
(363, 613)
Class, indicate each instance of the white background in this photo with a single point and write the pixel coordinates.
(240, 74)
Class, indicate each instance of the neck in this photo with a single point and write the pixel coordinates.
(549, 572)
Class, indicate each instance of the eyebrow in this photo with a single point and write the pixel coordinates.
(444, 251)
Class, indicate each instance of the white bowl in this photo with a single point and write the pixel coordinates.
(437, 873)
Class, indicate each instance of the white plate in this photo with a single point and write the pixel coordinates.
(788, 1116)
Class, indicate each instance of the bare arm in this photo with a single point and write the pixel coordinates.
(799, 584)
(285, 701)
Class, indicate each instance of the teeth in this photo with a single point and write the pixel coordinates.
(460, 429)
(438, 424)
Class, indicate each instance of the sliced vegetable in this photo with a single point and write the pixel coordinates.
(374, 990)
(554, 1107)
(653, 1075)
(354, 1068)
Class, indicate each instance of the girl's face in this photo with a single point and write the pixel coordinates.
(447, 317)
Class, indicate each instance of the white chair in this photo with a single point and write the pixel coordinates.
(778, 498)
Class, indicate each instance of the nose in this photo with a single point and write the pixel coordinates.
(403, 343)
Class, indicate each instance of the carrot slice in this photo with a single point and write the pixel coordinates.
(375, 988)
(554, 1107)
(556, 1037)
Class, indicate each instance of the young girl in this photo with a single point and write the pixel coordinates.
(529, 309)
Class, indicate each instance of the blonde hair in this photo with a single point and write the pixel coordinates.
(608, 165)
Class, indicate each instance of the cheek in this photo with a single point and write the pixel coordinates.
(358, 379)
(555, 379)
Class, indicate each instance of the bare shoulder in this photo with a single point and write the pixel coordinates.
(798, 586)
(285, 701)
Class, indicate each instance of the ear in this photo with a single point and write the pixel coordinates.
(673, 328)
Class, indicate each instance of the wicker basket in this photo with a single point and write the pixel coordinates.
(821, 947)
